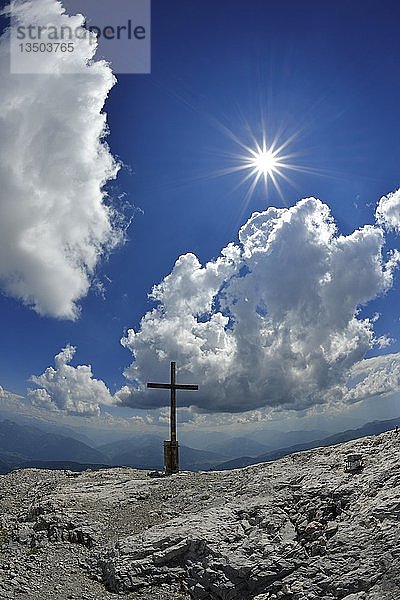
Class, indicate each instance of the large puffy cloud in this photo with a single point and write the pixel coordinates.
(273, 322)
(388, 211)
(70, 389)
(54, 219)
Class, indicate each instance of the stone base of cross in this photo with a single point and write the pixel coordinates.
(171, 457)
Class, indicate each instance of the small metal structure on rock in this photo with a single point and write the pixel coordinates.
(171, 447)
(354, 463)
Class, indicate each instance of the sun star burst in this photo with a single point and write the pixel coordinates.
(263, 161)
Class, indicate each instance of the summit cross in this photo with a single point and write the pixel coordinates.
(171, 452)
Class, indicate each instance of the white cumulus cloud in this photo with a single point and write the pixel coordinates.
(388, 211)
(273, 322)
(54, 162)
(378, 376)
(70, 389)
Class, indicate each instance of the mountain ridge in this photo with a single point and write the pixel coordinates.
(370, 428)
(29, 446)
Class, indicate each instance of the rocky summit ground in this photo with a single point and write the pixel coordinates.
(299, 528)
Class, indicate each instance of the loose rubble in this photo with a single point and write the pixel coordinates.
(300, 528)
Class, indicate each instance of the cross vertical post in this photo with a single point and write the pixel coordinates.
(173, 402)
(171, 446)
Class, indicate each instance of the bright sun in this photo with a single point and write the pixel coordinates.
(264, 162)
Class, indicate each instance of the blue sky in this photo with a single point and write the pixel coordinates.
(327, 72)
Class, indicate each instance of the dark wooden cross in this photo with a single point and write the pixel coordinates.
(171, 453)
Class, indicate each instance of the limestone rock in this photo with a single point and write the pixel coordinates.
(300, 528)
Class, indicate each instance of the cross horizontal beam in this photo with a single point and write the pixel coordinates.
(173, 386)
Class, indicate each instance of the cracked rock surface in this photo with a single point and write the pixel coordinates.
(299, 528)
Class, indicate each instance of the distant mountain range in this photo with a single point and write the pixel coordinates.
(146, 452)
(29, 446)
(263, 441)
(243, 445)
(23, 446)
(373, 428)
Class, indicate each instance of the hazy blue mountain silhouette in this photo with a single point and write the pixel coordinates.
(372, 428)
(30, 446)
(238, 446)
(146, 452)
(22, 443)
(24, 446)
